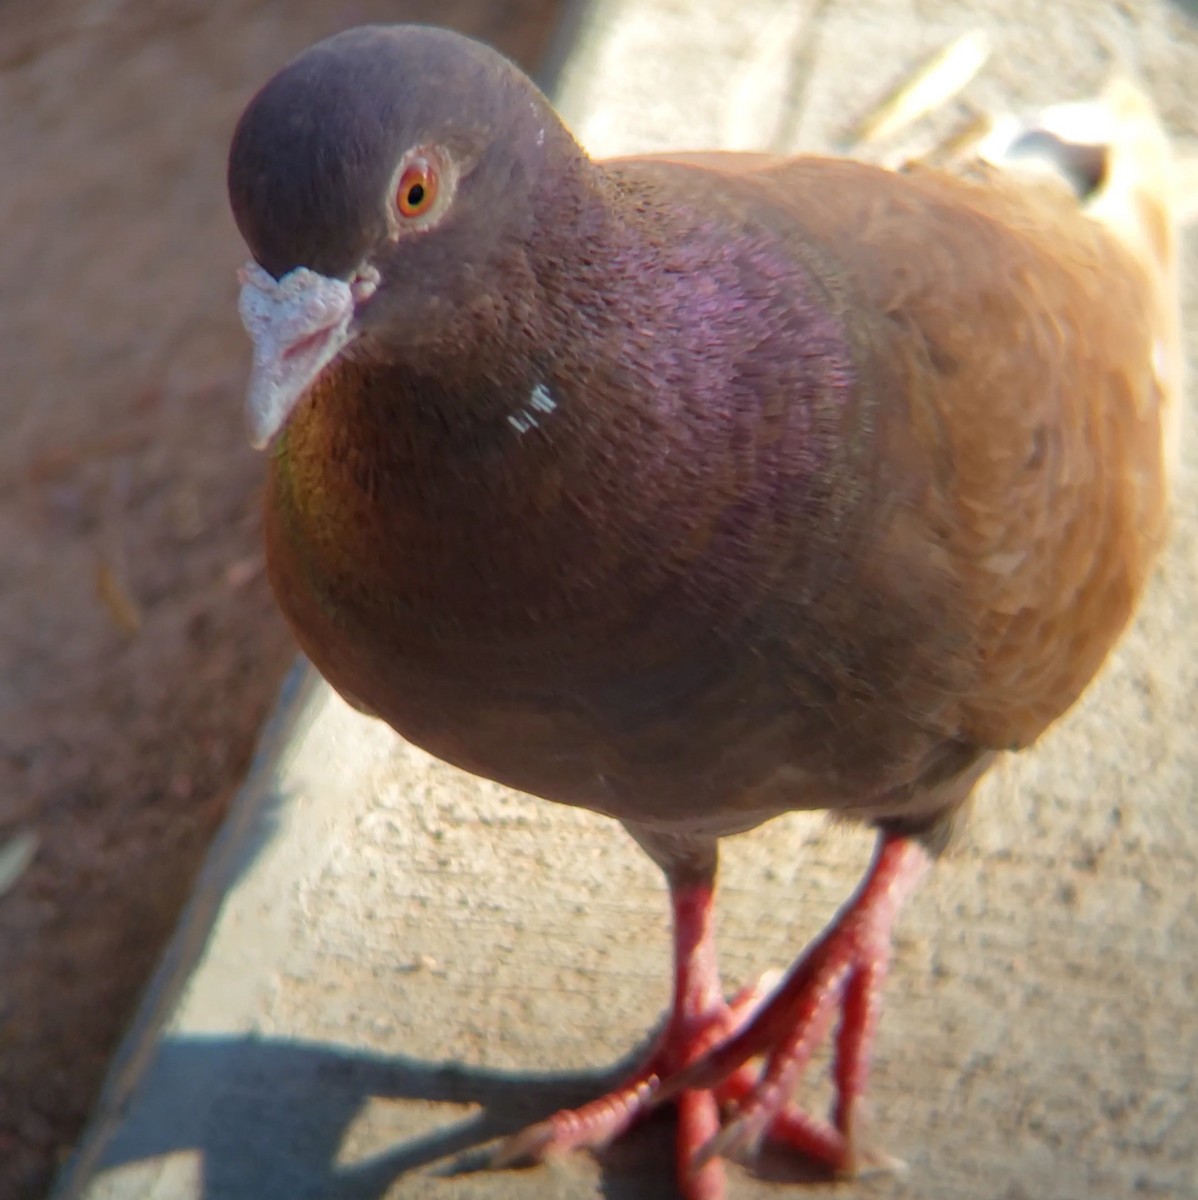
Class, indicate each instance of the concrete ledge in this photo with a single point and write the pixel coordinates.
(387, 962)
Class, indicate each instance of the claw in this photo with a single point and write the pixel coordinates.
(702, 1061)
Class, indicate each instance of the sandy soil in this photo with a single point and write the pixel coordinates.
(139, 646)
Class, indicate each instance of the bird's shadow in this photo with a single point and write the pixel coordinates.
(269, 1119)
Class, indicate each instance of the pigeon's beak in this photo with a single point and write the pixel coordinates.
(298, 324)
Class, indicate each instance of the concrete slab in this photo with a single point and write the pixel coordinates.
(387, 962)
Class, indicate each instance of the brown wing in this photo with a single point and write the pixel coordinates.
(1028, 337)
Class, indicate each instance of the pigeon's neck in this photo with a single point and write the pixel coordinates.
(650, 410)
(529, 375)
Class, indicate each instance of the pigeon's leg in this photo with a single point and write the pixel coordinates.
(699, 1017)
(844, 969)
(702, 1059)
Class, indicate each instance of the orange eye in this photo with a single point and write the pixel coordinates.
(417, 189)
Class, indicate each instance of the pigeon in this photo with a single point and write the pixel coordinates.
(697, 489)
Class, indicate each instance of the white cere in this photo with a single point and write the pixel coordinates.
(282, 312)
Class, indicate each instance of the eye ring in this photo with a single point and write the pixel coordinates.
(416, 191)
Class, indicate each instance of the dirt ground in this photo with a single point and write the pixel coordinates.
(139, 646)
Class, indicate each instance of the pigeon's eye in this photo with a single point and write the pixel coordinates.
(417, 189)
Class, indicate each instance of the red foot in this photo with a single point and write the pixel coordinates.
(700, 1019)
(701, 1061)
(844, 969)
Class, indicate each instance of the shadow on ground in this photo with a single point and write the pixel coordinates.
(269, 1119)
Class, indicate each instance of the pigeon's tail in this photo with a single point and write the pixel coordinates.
(1115, 156)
